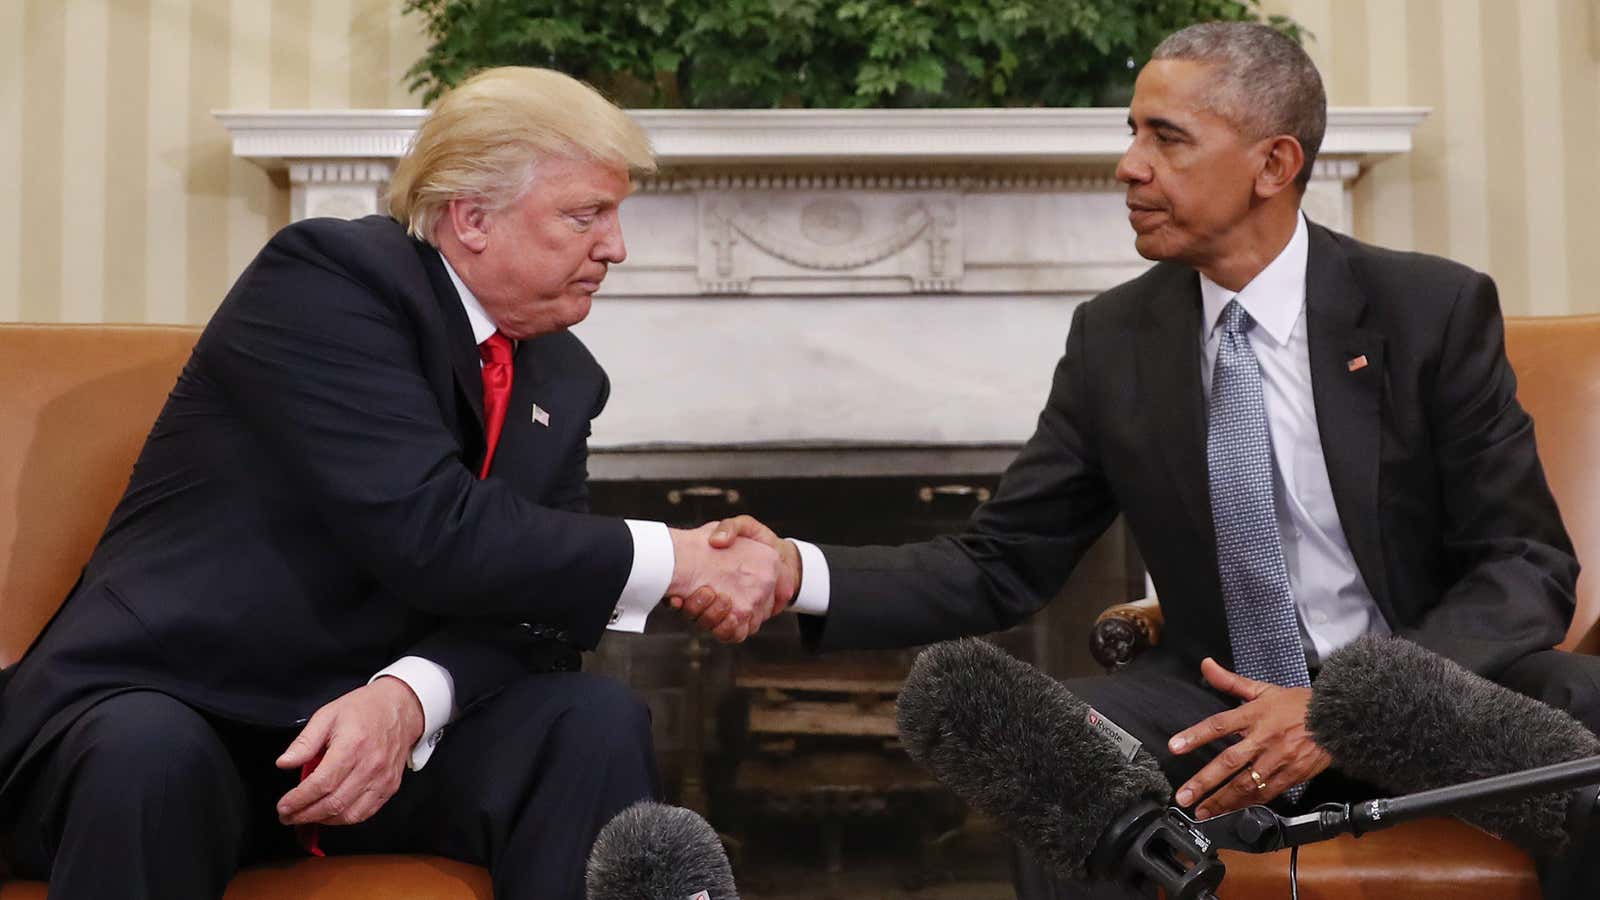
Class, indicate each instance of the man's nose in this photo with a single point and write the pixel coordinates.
(1132, 168)
(611, 248)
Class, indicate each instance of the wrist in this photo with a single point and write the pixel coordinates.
(789, 558)
(682, 551)
(406, 704)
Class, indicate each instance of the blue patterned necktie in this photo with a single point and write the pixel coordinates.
(1262, 625)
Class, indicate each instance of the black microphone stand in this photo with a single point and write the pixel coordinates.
(1257, 829)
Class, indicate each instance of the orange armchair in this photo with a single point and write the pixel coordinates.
(79, 400)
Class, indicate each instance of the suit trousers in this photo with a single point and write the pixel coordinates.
(147, 795)
(1159, 695)
(1569, 681)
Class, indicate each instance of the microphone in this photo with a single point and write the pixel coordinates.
(1017, 745)
(1400, 717)
(651, 851)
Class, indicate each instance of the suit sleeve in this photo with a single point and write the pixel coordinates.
(1513, 571)
(483, 656)
(326, 371)
(1052, 504)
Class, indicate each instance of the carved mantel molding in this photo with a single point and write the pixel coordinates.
(950, 246)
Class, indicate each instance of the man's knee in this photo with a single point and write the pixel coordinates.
(1568, 681)
(143, 743)
(604, 706)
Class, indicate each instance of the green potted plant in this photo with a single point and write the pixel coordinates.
(819, 53)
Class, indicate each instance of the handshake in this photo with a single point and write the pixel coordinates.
(731, 576)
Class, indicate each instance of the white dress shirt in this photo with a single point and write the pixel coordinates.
(1330, 595)
(647, 583)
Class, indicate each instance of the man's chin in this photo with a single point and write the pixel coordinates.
(1151, 246)
(578, 308)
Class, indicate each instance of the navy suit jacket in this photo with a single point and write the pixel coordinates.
(305, 509)
(1431, 461)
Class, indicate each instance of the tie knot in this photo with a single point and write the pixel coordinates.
(496, 350)
(1234, 319)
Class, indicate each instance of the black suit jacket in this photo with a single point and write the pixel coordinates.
(305, 509)
(1431, 461)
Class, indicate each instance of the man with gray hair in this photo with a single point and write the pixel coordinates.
(374, 462)
(1310, 438)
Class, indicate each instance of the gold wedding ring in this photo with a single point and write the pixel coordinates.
(1261, 783)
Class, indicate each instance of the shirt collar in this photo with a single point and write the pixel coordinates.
(1274, 298)
(482, 325)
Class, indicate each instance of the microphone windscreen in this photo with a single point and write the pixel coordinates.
(1405, 719)
(1017, 745)
(651, 851)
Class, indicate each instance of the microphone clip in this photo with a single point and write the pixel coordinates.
(1257, 829)
(1152, 844)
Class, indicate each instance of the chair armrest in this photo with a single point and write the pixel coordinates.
(1124, 631)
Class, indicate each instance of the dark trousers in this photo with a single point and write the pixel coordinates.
(1159, 695)
(1568, 681)
(147, 798)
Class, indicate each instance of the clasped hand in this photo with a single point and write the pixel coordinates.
(731, 576)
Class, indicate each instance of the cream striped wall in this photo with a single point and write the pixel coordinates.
(126, 205)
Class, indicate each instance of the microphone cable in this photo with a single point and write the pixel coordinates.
(1294, 872)
(1294, 853)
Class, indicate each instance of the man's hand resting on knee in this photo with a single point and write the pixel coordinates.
(1274, 752)
(363, 739)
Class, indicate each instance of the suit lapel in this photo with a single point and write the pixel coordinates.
(1347, 379)
(1169, 363)
(518, 457)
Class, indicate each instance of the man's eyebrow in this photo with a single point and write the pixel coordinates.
(1157, 123)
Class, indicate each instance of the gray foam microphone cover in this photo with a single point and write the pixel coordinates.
(652, 851)
(1014, 743)
(1405, 719)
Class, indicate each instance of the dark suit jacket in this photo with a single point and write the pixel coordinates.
(1430, 457)
(305, 508)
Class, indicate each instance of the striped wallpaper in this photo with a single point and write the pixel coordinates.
(156, 228)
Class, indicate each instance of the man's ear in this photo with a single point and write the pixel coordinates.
(1281, 165)
(469, 222)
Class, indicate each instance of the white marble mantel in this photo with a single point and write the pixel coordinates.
(818, 278)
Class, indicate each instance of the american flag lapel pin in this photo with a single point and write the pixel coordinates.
(540, 416)
(1357, 363)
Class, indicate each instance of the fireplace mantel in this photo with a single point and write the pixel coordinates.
(689, 137)
(802, 280)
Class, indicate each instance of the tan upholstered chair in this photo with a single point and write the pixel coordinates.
(77, 403)
(1557, 361)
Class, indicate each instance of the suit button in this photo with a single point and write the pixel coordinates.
(561, 635)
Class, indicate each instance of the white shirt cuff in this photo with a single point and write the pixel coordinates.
(813, 597)
(436, 690)
(648, 579)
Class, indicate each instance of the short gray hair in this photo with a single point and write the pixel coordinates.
(1265, 83)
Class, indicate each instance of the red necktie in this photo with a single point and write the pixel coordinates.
(496, 355)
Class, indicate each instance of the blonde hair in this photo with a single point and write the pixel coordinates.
(485, 137)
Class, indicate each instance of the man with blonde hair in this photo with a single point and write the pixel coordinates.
(374, 462)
